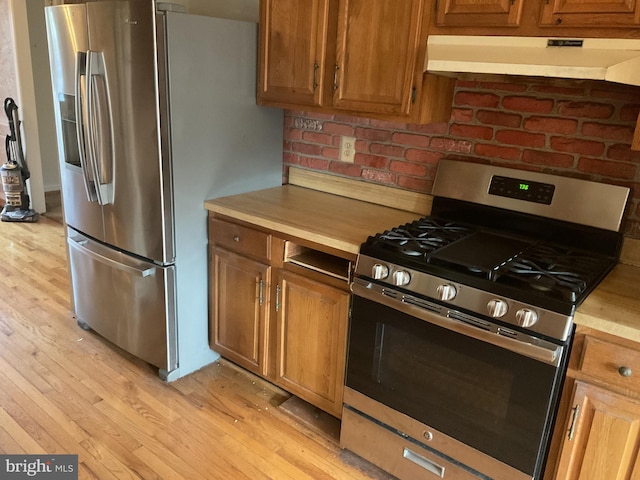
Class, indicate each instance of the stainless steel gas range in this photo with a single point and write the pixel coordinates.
(461, 322)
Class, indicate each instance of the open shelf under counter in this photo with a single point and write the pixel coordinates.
(318, 261)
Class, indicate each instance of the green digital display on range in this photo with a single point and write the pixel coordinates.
(520, 189)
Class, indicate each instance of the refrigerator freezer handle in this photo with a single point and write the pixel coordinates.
(100, 134)
(82, 244)
(80, 103)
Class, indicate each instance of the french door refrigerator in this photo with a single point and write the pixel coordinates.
(155, 113)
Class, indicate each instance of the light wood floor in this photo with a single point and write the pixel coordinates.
(64, 390)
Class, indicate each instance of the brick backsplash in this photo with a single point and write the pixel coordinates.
(577, 129)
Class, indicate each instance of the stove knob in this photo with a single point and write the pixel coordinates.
(526, 317)
(401, 278)
(446, 292)
(497, 308)
(380, 271)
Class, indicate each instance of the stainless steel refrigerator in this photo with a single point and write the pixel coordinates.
(155, 113)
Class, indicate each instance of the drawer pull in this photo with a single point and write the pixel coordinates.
(236, 238)
(625, 371)
(428, 465)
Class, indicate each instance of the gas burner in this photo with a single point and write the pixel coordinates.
(421, 237)
(548, 276)
(554, 270)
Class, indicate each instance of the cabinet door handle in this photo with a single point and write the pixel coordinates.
(260, 290)
(335, 77)
(315, 75)
(574, 421)
(277, 298)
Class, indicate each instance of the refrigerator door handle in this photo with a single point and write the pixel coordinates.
(80, 104)
(83, 245)
(101, 146)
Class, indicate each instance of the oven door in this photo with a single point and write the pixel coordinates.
(457, 374)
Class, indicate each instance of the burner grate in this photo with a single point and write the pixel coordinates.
(554, 270)
(421, 237)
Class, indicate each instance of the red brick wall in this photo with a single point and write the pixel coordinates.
(576, 129)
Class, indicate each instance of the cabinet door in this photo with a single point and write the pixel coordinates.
(293, 46)
(376, 52)
(601, 440)
(479, 13)
(311, 340)
(591, 13)
(239, 297)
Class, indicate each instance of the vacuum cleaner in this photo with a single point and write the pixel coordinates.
(15, 172)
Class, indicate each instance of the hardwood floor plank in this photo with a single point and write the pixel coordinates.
(18, 434)
(164, 469)
(167, 441)
(114, 463)
(7, 444)
(34, 420)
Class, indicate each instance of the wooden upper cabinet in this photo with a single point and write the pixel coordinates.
(293, 47)
(591, 13)
(479, 13)
(376, 53)
(360, 57)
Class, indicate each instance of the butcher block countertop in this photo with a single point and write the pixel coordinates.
(614, 306)
(323, 218)
(317, 208)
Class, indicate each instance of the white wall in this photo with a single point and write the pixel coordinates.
(43, 96)
(8, 77)
(26, 100)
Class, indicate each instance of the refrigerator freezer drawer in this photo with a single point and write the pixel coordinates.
(128, 301)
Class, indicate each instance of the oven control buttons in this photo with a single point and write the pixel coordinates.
(380, 271)
(401, 278)
(526, 317)
(446, 292)
(497, 308)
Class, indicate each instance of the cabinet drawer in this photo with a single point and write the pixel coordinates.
(611, 363)
(240, 239)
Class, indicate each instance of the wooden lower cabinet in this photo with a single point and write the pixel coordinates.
(311, 340)
(274, 316)
(602, 437)
(239, 301)
(598, 432)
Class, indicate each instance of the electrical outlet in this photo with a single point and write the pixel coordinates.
(347, 149)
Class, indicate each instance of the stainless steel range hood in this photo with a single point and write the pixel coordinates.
(614, 60)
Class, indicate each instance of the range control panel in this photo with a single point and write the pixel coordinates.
(521, 189)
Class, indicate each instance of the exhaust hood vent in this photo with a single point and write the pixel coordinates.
(613, 60)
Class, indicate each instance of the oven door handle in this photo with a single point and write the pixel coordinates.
(543, 351)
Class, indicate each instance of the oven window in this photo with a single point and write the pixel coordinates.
(490, 398)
